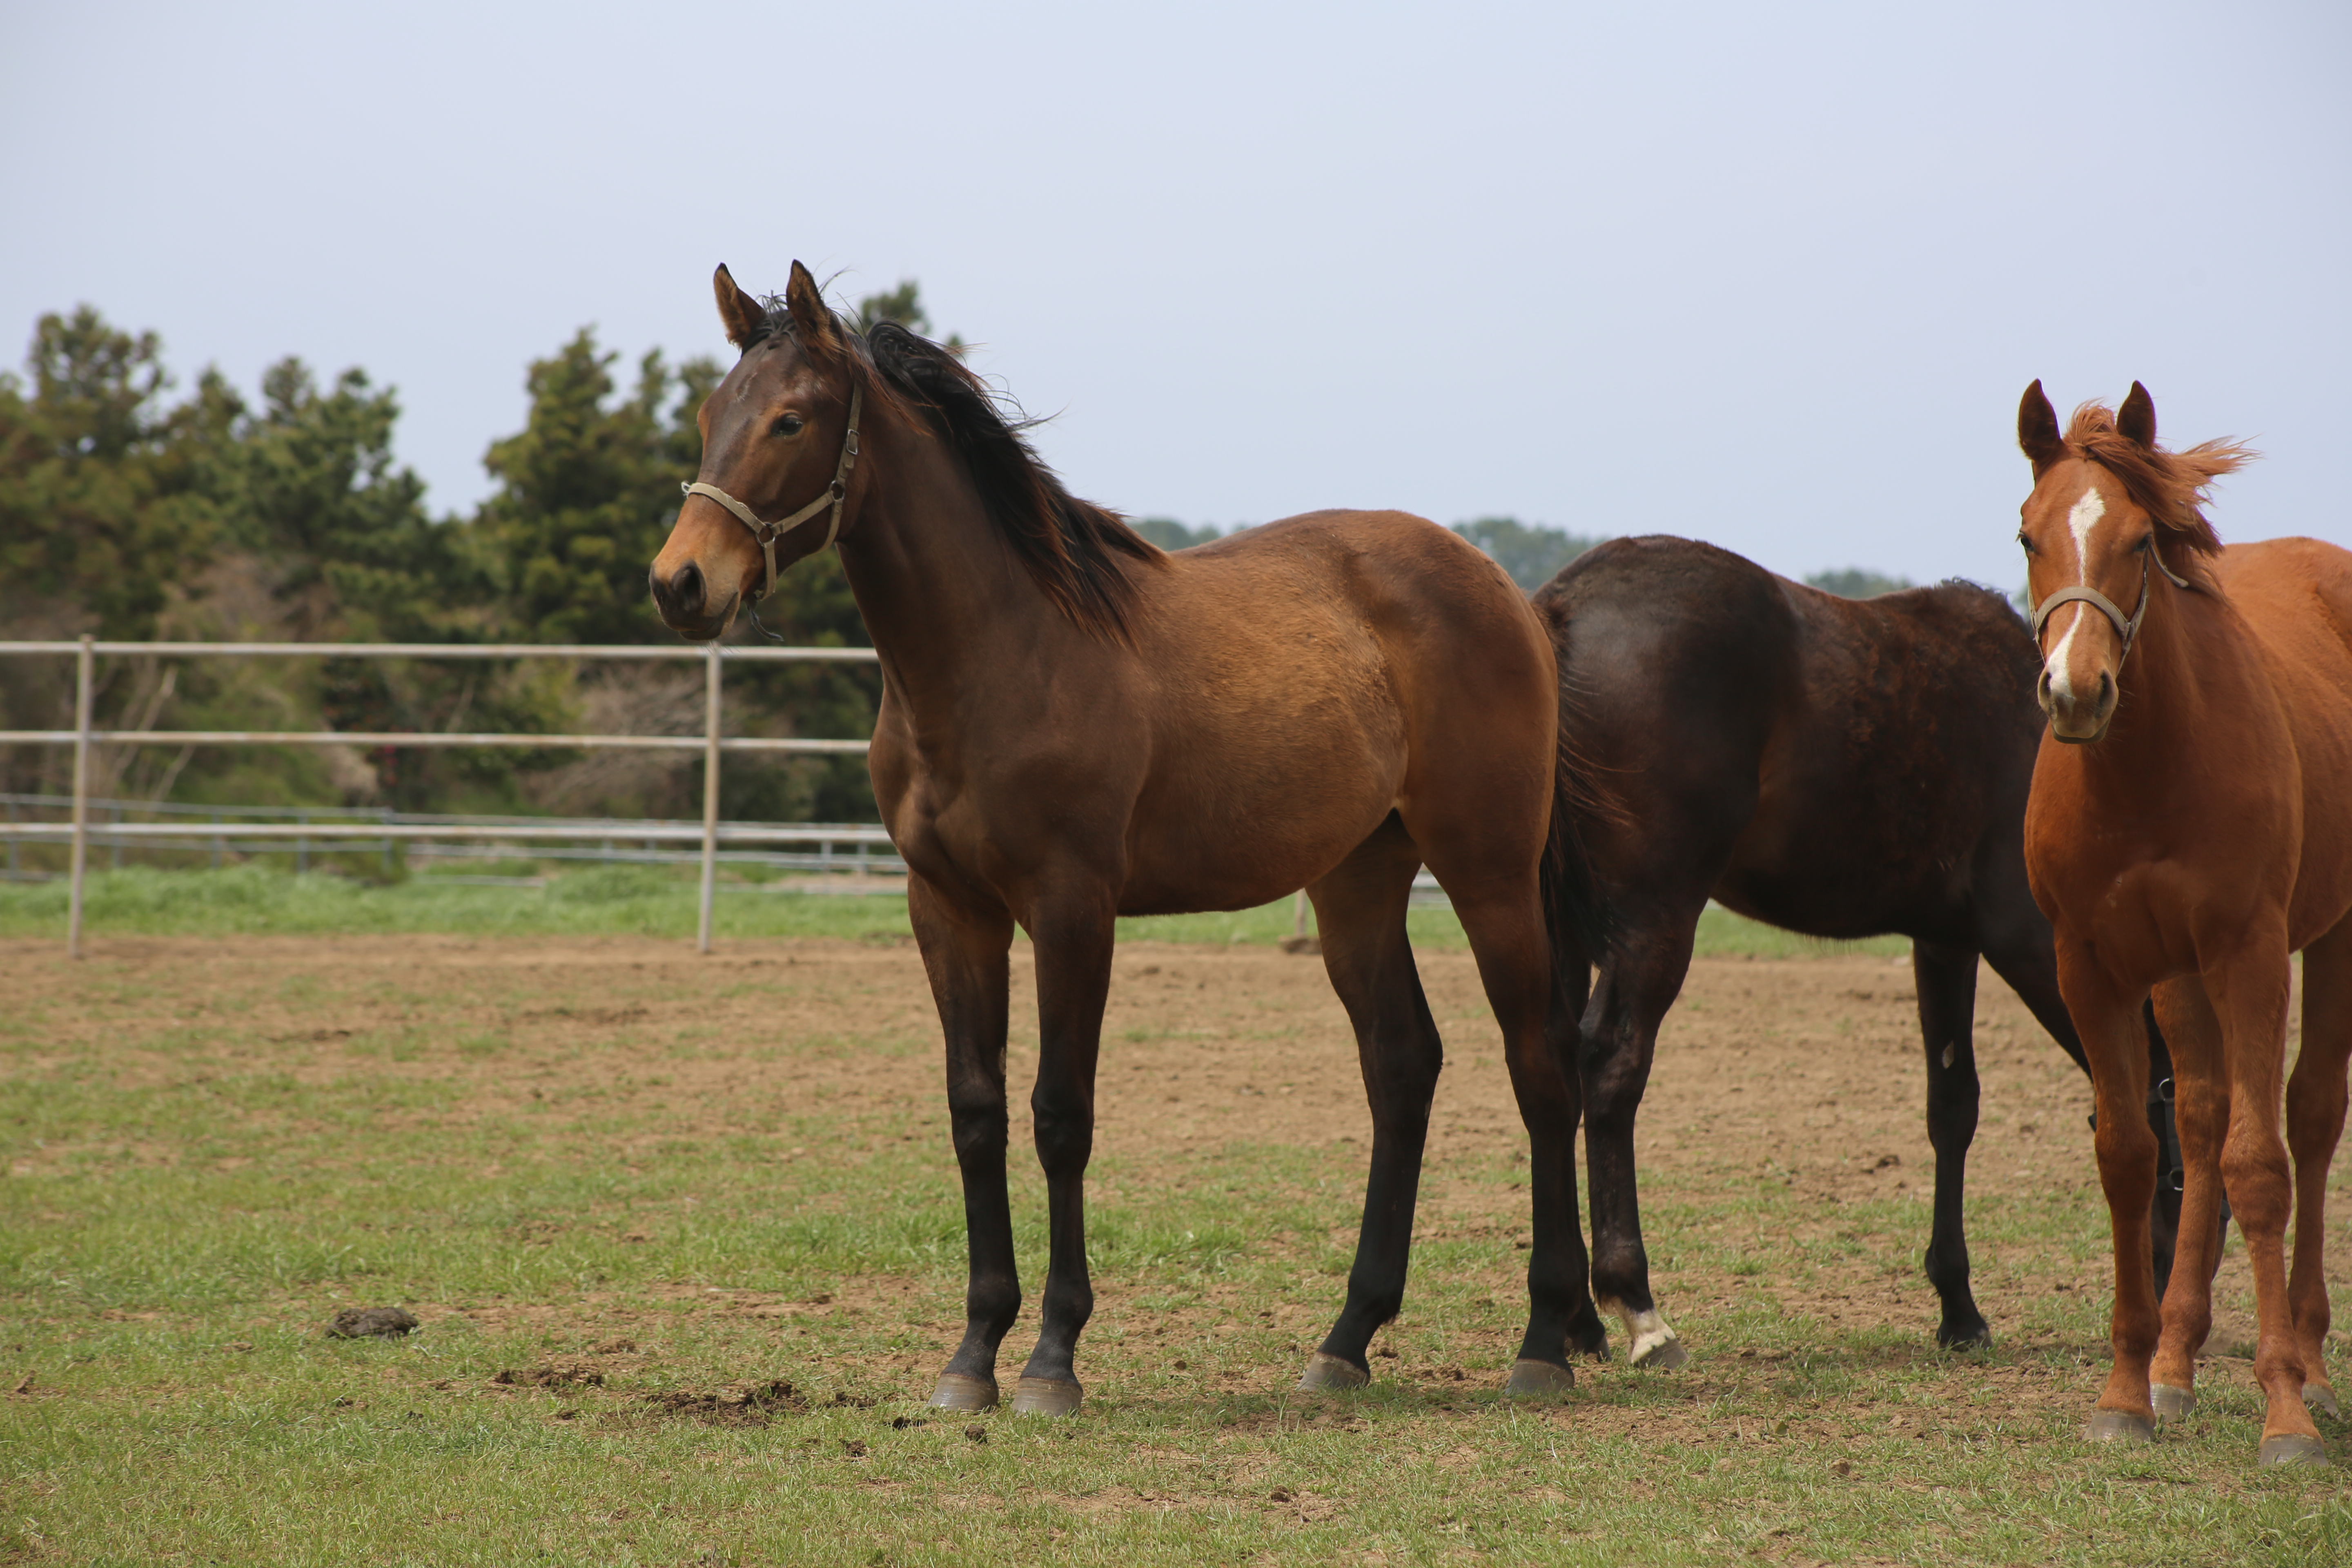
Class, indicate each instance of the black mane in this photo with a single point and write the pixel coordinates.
(1073, 549)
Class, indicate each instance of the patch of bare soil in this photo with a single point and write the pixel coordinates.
(1805, 1072)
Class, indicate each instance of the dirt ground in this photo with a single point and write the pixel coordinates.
(1810, 1069)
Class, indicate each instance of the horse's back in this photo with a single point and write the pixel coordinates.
(1312, 674)
(1871, 750)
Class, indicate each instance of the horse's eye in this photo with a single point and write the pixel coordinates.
(2141, 548)
(785, 425)
(2025, 541)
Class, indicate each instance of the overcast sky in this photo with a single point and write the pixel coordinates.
(1768, 275)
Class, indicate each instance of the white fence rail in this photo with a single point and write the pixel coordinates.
(711, 834)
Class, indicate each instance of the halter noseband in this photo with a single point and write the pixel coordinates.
(767, 534)
(2126, 628)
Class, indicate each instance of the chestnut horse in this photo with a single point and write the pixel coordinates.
(2190, 826)
(1076, 726)
(1839, 767)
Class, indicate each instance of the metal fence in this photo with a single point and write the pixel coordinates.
(385, 828)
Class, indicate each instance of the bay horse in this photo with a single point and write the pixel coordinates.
(2190, 827)
(1842, 768)
(1076, 726)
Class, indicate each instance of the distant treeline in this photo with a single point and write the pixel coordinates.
(135, 514)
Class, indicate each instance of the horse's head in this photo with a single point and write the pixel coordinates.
(777, 442)
(2089, 545)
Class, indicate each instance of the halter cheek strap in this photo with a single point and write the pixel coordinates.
(767, 534)
(2127, 626)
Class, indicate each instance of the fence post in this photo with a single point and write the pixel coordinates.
(709, 792)
(84, 664)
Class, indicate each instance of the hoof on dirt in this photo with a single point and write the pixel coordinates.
(2119, 1427)
(2172, 1403)
(957, 1392)
(2322, 1398)
(1330, 1374)
(2292, 1448)
(1047, 1397)
(1666, 1355)
(1539, 1380)
(1979, 1337)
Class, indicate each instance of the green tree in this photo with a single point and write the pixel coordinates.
(350, 552)
(1170, 535)
(1532, 555)
(1857, 583)
(586, 492)
(106, 490)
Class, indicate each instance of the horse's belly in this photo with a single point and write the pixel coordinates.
(1260, 821)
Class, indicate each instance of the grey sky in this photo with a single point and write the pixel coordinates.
(1768, 275)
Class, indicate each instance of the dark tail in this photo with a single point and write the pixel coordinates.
(1576, 913)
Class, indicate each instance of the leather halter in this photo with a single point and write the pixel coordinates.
(767, 534)
(2126, 628)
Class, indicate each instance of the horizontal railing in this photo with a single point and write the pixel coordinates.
(711, 834)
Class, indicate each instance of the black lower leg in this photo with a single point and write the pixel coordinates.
(965, 958)
(1947, 982)
(1562, 1318)
(1072, 942)
(1403, 1083)
(1618, 1040)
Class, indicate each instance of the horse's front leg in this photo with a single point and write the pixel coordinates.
(1073, 934)
(964, 955)
(1946, 978)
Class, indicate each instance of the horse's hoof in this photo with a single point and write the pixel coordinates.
(1965, 1338)
(1047, 1397)
(2172, 1403)
(957, 1392)
(1539, 1380)
(2119, 1427)
(1661, 1355)
(2292, 1448)
(1330, 1374)
(2322, 1398)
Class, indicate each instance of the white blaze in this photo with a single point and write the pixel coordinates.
(2083, 517)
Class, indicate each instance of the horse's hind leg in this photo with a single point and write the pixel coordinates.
(1946, 981)
(1360, 909)
(1638, 981)
(965, 957)
(2316, 1096)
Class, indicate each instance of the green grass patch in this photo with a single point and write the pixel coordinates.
(642, 900)
(197, 1182)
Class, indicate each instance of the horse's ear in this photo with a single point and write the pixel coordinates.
(2136, 418)
(2037, 430)
(742, 314)
(813, 323)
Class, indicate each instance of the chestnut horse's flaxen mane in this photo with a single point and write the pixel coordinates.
(2170, 487)
(1075, 551)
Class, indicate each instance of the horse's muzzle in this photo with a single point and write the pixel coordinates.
(684, 600)
(2072, 721)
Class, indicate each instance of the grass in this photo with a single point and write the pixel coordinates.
(640, 900)
(200, 1177)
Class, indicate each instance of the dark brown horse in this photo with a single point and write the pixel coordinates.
(1076, 726)
(2191, 828)
(1837, 767)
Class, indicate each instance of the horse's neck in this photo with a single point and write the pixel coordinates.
(940, 591)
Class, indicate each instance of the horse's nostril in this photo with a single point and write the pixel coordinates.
(685, 586)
